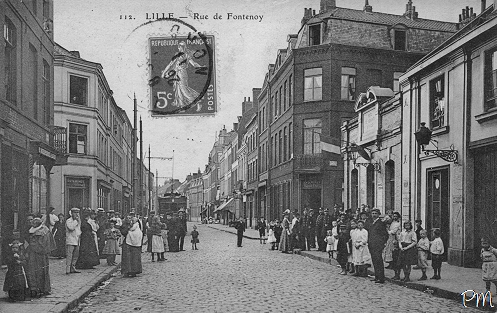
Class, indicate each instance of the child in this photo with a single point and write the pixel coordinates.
(362, 255)
(489, 265)
(111, 248)
(16, 283)
(271, 239)
(343, 248)
(437, 251)
(334, 233)
(423, 249)
(407, 255)
(330, 243)
(194, 240)
(261, 227)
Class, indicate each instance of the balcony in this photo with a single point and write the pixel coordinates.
(58, 140)
(309, 163)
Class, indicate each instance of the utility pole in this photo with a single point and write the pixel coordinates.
(141, 202)
(149, 184)
(172, 176)
(133, 163)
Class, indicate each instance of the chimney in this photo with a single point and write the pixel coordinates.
(410, 11)
(483, 5)
(235, 127)
(368, 8)
(307, 15)
(327, 5)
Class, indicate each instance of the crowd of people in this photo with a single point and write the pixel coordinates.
(83, 239)
(358, 240)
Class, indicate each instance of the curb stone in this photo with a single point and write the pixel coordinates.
(74, 300)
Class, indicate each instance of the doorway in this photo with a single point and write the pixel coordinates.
(311, 198)
(437, 209)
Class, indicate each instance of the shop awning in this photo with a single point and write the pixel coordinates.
(224, 206)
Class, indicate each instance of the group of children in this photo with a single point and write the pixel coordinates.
(350, 248)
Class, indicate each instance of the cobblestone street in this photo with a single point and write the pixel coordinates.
(220, 277)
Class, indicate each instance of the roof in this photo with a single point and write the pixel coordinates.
(387, 19)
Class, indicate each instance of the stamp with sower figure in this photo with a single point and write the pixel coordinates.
(182, 75)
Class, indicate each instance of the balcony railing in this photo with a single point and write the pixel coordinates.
(60, 139)
(312, 162)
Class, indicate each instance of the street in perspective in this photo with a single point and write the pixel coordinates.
(262, 156)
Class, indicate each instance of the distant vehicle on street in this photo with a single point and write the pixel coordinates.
(171, 203)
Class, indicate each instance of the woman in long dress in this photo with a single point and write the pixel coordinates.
(362, 256)
(41, 244)
(59, 234)
(177, 71)
(131, 263)
(390, 252)
(285, 234)
(88, 251)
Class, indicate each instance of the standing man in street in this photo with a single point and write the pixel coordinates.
(311, 230)
(182, 228)
(149, 232)
(240, 228)
(73, 232)
(318, 228)
(377, 239)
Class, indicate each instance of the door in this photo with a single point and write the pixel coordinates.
(485, 184)
(438, 213)
(311, 198)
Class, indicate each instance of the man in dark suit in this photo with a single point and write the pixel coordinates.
(182, 228)
(240, 228)
(377, 239)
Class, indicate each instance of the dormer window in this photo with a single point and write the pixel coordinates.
(315, 35)
(400, 37)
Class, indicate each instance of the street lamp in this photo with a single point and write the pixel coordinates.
(423, 138)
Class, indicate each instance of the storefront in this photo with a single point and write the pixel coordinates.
(77, 192)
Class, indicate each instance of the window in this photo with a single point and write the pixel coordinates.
(354, 181)
(390, 185)
(285, 145)
(437, 102)
(285, 96)
(10, 38)
(46, 92)
(313, 84)
(280, 111)
(280, 147)
(400, 40)
(39, 187)
(276, 107)
(314, 35)
(348, 83)
(33, 55)
(312, 136)
(290, 138)
(396, 82)
(370, 186)
(491, 80)
(290, 90)
(77, 138)
(78, 90)
(46, 9)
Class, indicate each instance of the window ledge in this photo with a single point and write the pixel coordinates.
(440, 131)
(487, 116)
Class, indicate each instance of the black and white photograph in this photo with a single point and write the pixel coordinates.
(248, 156)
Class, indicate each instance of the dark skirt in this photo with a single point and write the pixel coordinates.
(15, 278)
(38, 273)
(88, 254)
(408, 257)
(284, 241)
(131, 262)
(60, 242)
(173, 242)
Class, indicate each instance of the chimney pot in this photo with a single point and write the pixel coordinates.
(248, 99)
(313, 12)
(471, 11)
(483, 5)
(460, 18)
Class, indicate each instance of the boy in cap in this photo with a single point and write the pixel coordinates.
(73, 232)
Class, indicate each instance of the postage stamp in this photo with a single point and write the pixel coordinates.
(182, 75)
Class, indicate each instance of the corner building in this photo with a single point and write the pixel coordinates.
(311, 90)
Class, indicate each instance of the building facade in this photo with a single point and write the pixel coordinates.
(450, 182)
(28, 147)
(372, 151)
(98, 132)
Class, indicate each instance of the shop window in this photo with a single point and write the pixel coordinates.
(314, 35)
(438, 106)
(313, 84)
(78, 90)
(491, 80)
(77, 138)
(10, 68)
(400, 37)
(348, 83)
(370, 185)
(39, 188)
(312, 136)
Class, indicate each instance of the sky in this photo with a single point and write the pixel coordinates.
(243, 50)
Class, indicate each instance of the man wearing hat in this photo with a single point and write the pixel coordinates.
(310, 225)
(49, 219)
(182, 228)
(377, 239)
(149, 232)
(318, 228)
(101, 220)
(73, 232)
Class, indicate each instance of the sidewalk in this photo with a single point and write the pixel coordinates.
(67, 290)
(454, 279)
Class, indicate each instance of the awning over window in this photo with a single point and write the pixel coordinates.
(224, 206)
